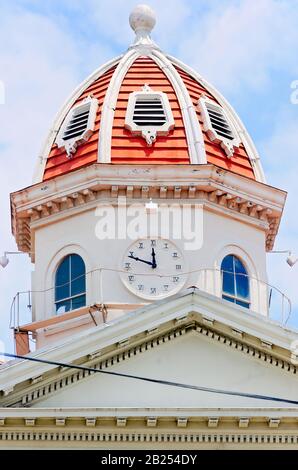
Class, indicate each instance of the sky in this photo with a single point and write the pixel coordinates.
(246, 48)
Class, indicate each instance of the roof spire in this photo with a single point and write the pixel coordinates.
(142, 20)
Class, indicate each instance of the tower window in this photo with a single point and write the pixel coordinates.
(149, 114)
(70, 284)
(235, 281)
(218, 126)
(78, 125)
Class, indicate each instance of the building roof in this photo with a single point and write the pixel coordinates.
(111, 141)
(245, 333)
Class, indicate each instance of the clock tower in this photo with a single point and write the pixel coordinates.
(148, 223)
(148, 184)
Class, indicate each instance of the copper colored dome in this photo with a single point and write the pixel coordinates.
(112, 142)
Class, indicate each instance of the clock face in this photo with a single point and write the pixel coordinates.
(153, 268)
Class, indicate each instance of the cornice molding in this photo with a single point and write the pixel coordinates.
(83, 189)
(200, 428)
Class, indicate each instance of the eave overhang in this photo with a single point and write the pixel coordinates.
(84, 189)
(23, 383)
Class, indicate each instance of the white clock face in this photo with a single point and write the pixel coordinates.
(153, 268)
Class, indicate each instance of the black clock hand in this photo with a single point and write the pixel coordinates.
(154, 265)
(139, 259)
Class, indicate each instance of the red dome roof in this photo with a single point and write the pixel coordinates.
(112, 142)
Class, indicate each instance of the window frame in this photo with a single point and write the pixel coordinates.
(235, 298)
(91, 104)
(149, 133)
(69, 282)
(228, 145)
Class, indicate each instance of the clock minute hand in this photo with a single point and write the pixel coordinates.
(139, 259)
(154, 265)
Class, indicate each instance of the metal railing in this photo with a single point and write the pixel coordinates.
(264, 299)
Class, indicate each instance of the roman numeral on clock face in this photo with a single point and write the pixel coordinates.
(152, 290)
(131, 278)
(176, 278)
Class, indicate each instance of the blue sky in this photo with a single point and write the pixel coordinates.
(247, 48)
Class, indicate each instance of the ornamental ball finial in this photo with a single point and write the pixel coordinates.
(142, 18)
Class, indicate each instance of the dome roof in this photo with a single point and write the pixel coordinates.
(146, 107)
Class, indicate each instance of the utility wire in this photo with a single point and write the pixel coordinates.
(156, 381)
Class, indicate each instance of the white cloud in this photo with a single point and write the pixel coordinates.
(239, 44)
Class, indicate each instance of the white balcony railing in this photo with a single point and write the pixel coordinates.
(264, 298)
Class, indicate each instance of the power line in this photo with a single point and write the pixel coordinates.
(156, 381)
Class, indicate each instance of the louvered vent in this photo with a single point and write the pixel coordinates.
(218, 126)
(77, 125)
(219, 122)
(149, 112)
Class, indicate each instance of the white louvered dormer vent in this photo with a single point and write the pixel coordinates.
(149, 114)
(78, 125)
(218, 126)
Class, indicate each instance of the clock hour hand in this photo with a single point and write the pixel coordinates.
(154, 265)
(139, 259)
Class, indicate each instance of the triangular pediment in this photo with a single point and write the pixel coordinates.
(191, 358)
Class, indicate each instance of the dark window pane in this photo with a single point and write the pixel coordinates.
(242, 286)
(62, 281)
(239, 267)
(62, 307)
(78, 302)
(230, 299)
(228, 283)
(227, 264)
(78, 281)
(243, 304)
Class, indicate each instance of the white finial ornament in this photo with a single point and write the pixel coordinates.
(142, 20)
